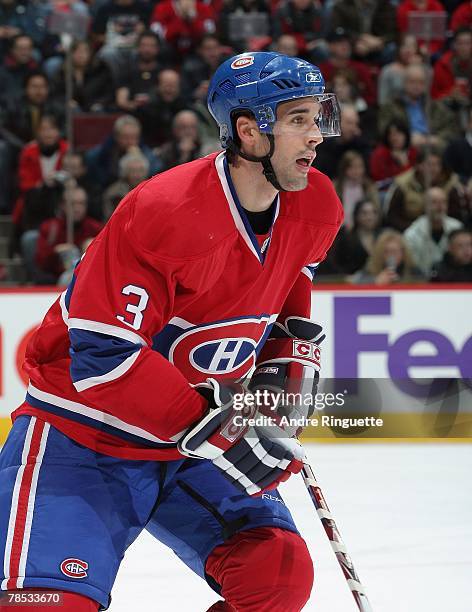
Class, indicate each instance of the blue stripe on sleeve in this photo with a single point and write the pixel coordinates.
(94, 354)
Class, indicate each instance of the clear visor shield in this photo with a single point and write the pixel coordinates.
(329, 117)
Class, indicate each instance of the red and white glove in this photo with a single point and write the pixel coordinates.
(289, 366)
(253, 459)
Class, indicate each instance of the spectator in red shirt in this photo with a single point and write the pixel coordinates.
(54, 253)
(453, 71)
(340, 51)
(39, 161)
(462, 16)
(394, 155)
(182, 23)
(425, 6)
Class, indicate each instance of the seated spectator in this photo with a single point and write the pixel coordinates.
(406, 7)
(456, 265)
(17, 66)
(21, 18)
(185, 145)
(306, 21)
(340, 57)
(74, 167)
(198, 67)
(134, 169)
(136, 82)
(54, 253)
(352, 184)
(452, 74)
(394, 155)
(165, 102)
(208, 130)
(390, 262)
(328, 156)
(71, 6)
(70, 260)
(39, 162)
(353, 247)
(461, 208)
(427, 237)
(117, 25)
(404, 200)
(92, 81)
(23, 115)
(287, 45)
(392, 76)
(410, 108)
(462, 16)
(458, 153)
(40, 203)
(371, 24)
(256, 22)
(52, 46)
(182, 23)
(103, 160)
(5, 181)
(345, 87)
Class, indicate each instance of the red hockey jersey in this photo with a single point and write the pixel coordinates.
(175, 289)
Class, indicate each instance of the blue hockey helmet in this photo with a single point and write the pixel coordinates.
(258, 82)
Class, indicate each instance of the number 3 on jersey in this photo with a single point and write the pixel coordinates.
(135, 309)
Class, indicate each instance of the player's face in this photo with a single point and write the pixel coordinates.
(296, 137)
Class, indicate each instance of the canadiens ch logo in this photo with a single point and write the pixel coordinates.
(226, 348)
(74, 568)
(243, 62)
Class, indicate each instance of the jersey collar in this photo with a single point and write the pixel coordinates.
(239, 216)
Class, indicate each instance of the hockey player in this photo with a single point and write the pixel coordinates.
(129, 418)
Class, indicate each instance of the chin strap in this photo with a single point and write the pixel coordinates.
(268, 170)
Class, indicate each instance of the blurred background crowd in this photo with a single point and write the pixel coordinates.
(87, 115)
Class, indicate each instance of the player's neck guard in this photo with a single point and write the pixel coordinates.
(268, 169)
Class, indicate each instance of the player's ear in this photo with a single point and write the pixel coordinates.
(247, 130)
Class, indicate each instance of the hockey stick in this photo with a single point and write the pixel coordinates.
(335, 539)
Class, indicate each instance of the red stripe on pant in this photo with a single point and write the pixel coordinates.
(23, 498)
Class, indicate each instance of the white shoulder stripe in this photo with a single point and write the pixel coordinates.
(307, 272)
(124, 366)
(232, 205)
(104, 328)
(62, 304)
(93, 413)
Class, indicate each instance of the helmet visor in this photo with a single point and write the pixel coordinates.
(329, 117)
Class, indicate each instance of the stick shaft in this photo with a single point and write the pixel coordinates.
(332, 532)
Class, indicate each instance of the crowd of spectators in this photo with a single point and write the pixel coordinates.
(402, 166)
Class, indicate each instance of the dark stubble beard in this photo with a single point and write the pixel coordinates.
(290, 183)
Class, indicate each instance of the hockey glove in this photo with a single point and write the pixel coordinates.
(288, 367)
(250, 459)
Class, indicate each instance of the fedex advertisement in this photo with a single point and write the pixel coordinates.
(401, 333)
(405, 332)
